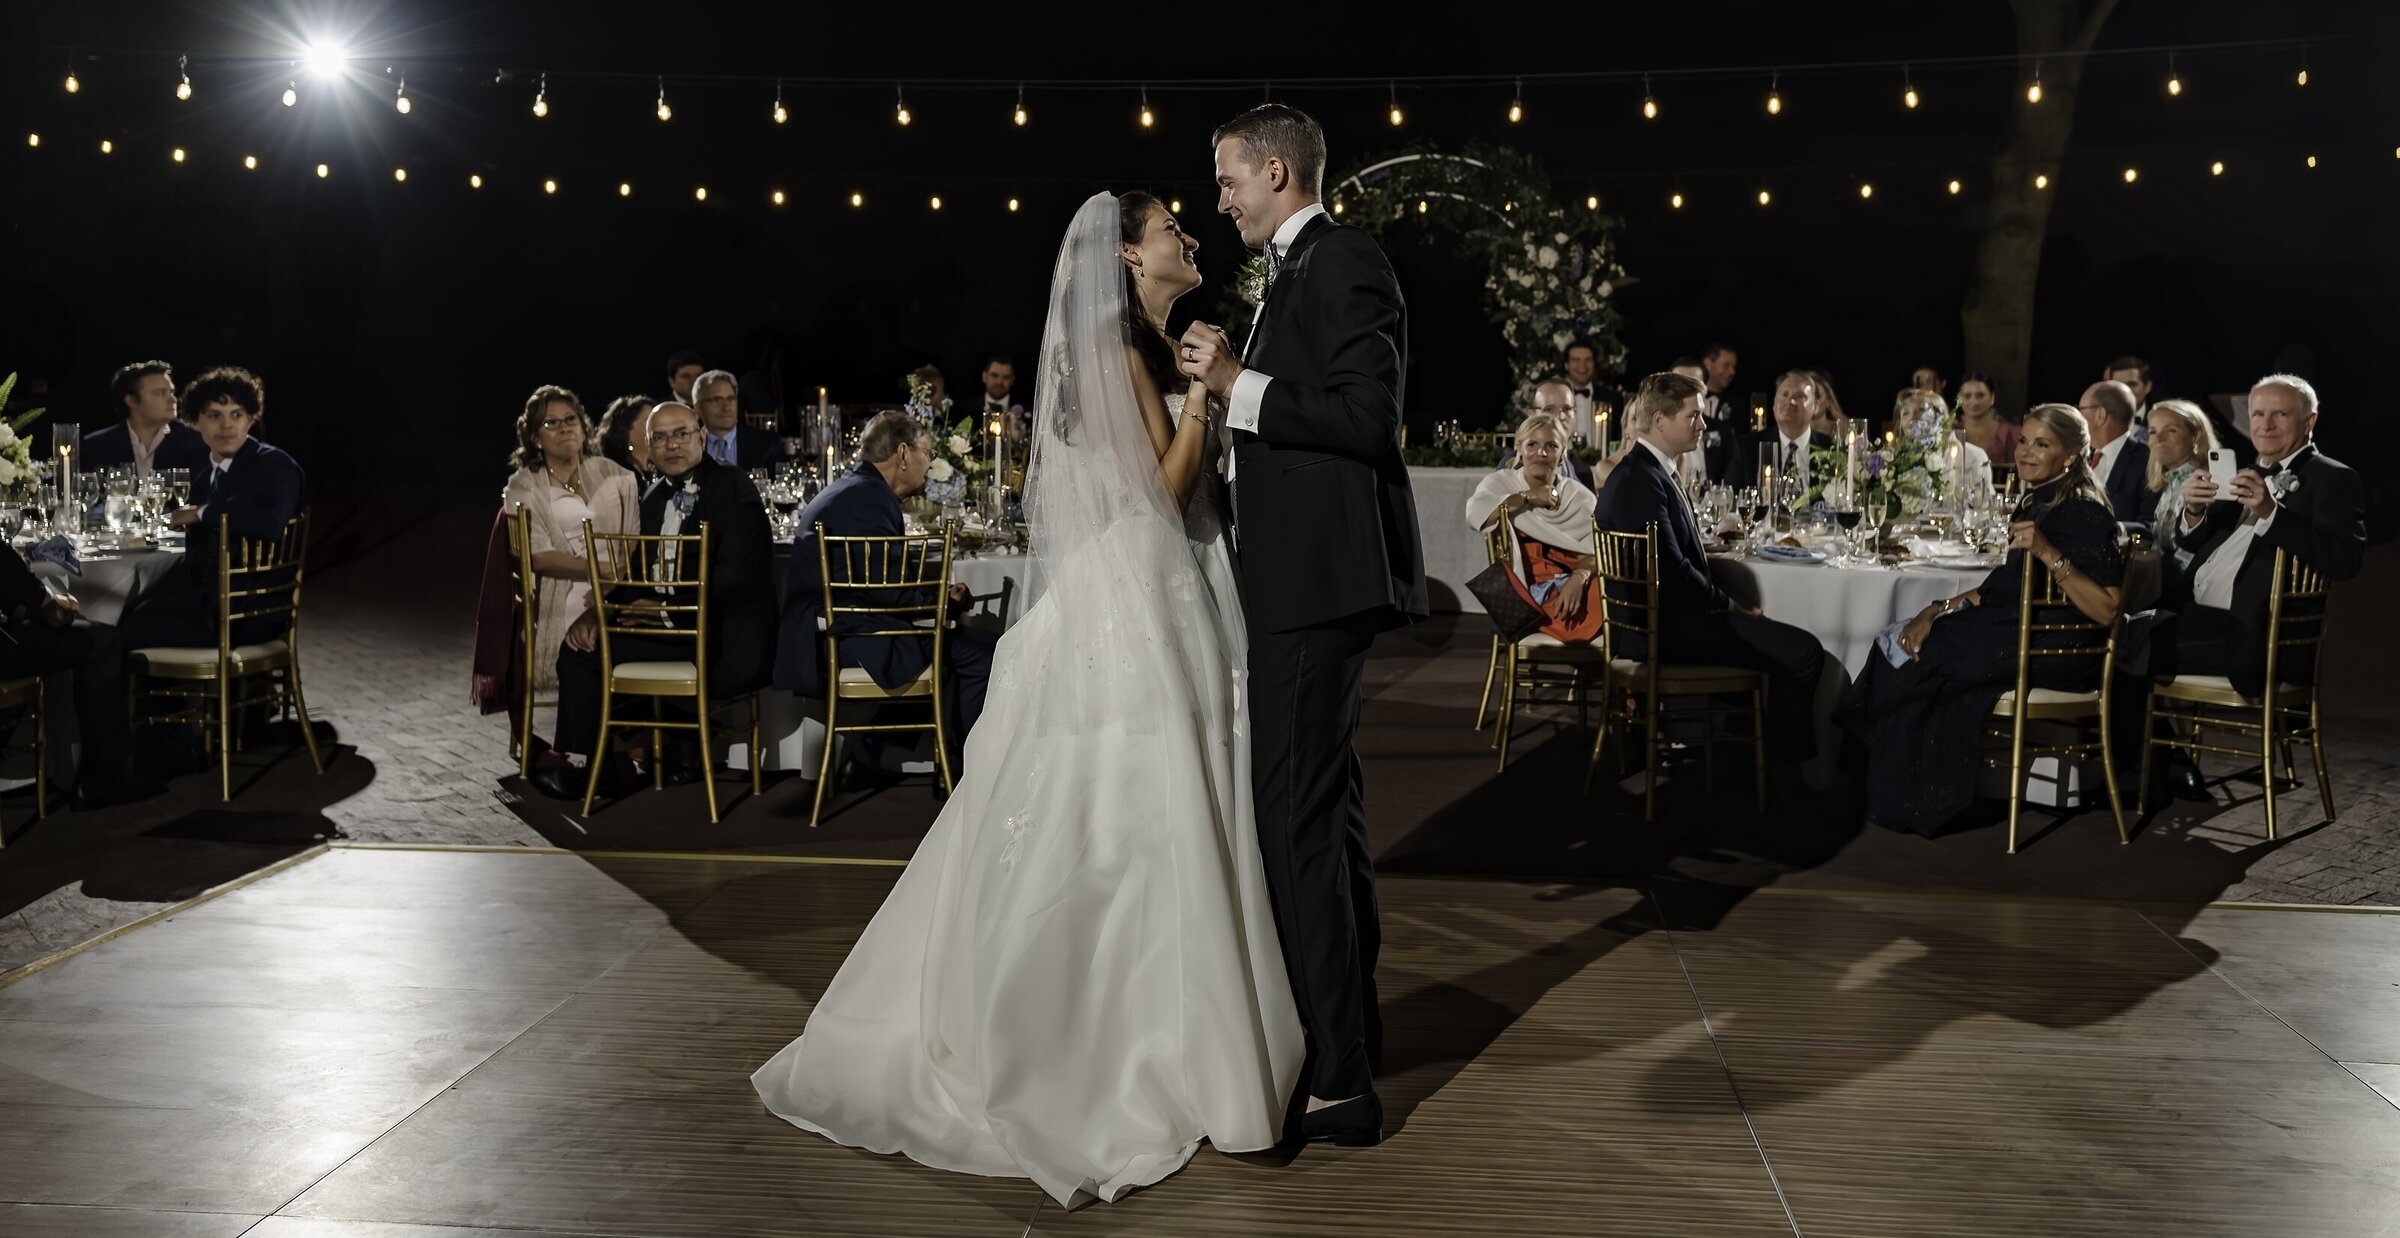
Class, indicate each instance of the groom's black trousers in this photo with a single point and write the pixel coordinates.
(1312, 833)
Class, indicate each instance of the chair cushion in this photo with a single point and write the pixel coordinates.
(206, 656)
(2040, 698)
(2219, 690)
(855, 682)
(657, 673)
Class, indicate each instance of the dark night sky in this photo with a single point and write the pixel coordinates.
(393, 321)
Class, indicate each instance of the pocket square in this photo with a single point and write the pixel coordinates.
(58, 549)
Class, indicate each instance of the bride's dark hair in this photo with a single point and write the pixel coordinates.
(1149, 339)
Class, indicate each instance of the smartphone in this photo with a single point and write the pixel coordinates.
(2221, 469)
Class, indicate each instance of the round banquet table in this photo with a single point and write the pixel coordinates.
(792, 730)
(113, 580)
(1844, 606)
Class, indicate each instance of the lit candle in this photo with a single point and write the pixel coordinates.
(1602, 415)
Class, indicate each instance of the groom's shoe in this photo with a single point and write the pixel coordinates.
(1355, 1123)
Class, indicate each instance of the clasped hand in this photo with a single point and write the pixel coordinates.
(1207, 356)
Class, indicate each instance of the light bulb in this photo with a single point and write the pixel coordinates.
(2131, 175)
(904, 118)
(1147, 118)
(1764, 197)
(624, 189)
(1019, 117)
(1955, 187)
(323, 171)
(1423, 206)
(1012, 206)
(176, 154)
(33, 139)
(776, 197)
(2041, 181)
(2303, 79)
(2312, 161)
(665, 113)
(1396, 115)
(858, 199)
(1774, 104)
(1175, 206)
(401, 103)
(699, 193)
(107, 147)
(1592, 203)
(291, 94)
(2033, 93)
(72, 84)
(937, 201)
(1516, 111)
(1910, 98)
(2174, 85)
(1866, 190)
(474, 180)
(1337, 208)
(1675, 202)
(1649, 108)
(549, 186)
(781, 113)
(541, 105)
(250, 163)
(2217, 168)
(183, 90)
(400, 175)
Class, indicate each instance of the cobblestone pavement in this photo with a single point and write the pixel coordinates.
(388, 640)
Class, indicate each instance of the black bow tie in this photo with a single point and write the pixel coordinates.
(1585, 392)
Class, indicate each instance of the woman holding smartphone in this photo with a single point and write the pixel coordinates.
(2181, 441)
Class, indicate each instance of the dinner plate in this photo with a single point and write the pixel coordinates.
(1790, 554)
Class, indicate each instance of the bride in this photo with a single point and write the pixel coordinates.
(1077, 979)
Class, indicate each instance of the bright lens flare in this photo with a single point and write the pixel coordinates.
(324, 59)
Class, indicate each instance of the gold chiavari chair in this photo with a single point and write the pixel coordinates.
(525, 593)
(888, 587)
(1495, 550)
(208, 687)
(1646, 694)
(2057, 630)
(29, 694)
(1535, 662)
(627, 572)
(2296, 613)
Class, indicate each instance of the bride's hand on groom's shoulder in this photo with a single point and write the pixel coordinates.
(1205, 354)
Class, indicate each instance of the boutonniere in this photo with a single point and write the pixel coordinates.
(686, 498)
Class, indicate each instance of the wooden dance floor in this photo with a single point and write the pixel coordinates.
(390, 1043)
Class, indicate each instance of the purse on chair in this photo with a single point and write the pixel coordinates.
(1513, 618)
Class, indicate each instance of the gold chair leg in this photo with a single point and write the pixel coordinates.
(1508, 710)
(599, 753)
(225, 738)
(1758, 744)
(2316, 748)
(941, 738)
(658, 749)
(825, 753)
(308, 730)
(2266, 758)
(1491, 671)
(708, 756)
(2016, 774)
(2108, 764)
(758, 759)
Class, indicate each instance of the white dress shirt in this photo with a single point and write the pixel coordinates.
(2108, 458)
(1250, 389)
(2212, 584)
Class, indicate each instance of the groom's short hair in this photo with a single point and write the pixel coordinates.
(1660, 394)
(1280, 131)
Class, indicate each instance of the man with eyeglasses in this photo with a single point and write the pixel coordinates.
(1785, 445)
(2119, 463)
(719, 399)
(693, 492)
(1555, 397)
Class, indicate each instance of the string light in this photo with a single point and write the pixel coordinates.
(1516, 103)
(2041, 180)
(1395, 89)
(1423, 206)
(2217, 168)
(780, 113)
(1175, 206)
(903, 97)
(176, 154)
(1866, 189)
(550, 186)
(541, 99)
(72, 84)
(1012, 206)
(400, 99)
(1908, 90)
(699, 193)
(183, 85)
(776, 197)
(1675, 202)
(937, 201)
(400, 175)
(2132, 175)
(1649, 102)
(2312, 161)
(250, 163)
(107, 147)
(1020, 117)
(2033, 93)
(291, 92)
(1147, 118)
(665, 113)
(2174, 80)
(323, 171)
(858, 199)
(33, 139)
(474, 180)
(1764, 197)
(2303, 78)
(1955, 187)
(1775, 95)
(1337, 208)
(624, 189)
(1592, 203)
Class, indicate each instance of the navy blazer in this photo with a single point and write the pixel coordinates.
(2128, 487)
(858, 504)
(110, 446)
(1641, 492)
(753, 449)
(260, 493)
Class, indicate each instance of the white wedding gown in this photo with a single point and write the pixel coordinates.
(1077, 979)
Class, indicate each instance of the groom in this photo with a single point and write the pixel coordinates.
(1325, 532)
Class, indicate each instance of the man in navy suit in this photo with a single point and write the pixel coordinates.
(719, 399)
(150, 437)
(2121, 465)
(1701, 622)
(894, 452)
(254, 488)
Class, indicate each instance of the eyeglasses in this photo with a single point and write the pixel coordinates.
(660, 438)
(715, 400)
(1541, 449)
(560, 423)
(1555, 410)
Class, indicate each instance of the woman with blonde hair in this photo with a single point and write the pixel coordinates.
(1917, 404)
(1929, 688)
(1550, 514)
(2180, 440)
(562, 481)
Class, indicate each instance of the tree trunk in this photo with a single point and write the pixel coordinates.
(1998, 313)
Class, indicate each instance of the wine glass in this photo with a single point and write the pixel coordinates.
(1876, 513)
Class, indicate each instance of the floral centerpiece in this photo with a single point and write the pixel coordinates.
(19, 474)
(1910, 472)
(956, 463)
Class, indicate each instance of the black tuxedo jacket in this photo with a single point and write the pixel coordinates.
(1750, 447)
(741, 590)
(1641, 492)
(859, 504)
(110, 446)
(1725, 427)
(2128, 486)
(2322, 522)
(1326, 525)
(259, 491)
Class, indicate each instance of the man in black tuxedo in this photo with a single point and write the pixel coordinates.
(1703, 624)
(40, 635)
(1721, 421)
(1325, 530)
(684, 369)
(691, 492)
(238, 480)
(2298, 500)
(150, 437)
(1585, 392)
(719, 401)
(1785, 445)
(2121, 465)
(894, 451)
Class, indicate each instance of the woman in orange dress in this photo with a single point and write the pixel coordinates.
(1551, 515)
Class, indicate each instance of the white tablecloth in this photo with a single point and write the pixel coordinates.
(1844, 606)
(113, 580)
(1453, 552)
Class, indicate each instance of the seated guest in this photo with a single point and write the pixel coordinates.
(692, 492)
(40, 635)
(2180, 440)
(1701, 622)
(893, 454)
(684, 368)
(2121, 465)
(623, 440)
(1551, 514)
(257, 488)
(1914, 405)
(1783, 446)
(1550, 399)
(561, 484)
(1581, 368)
(150, 438)
(720, 405)
(939, 387)
(1980, 422)
(1829, 418)
(2298, 500)
(1927, 378)
(1922, 722)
